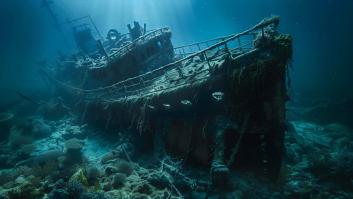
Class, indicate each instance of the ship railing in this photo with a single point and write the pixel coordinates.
(186, 50)
(125, 36)
(122, 51)
(143, 84)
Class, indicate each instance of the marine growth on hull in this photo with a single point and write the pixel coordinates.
(135, 117)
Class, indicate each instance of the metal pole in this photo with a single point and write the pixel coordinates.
(141, 81)
(95, 27)
(226, 48)
(46, 4)
(180, 72)
(102, 49)
(125, 90)
(198, 45)
(239, 42)
(208, 62)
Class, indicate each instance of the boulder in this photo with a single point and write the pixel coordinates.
(24, 190)
(118, 180)
(73, 151)
(124, 167)
(35, 127)
(93, 174)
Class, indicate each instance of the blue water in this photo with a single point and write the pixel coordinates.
(321, 71)
(321, 30)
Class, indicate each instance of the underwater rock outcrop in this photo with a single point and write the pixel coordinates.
(30, 128)
(73, 151)
(318, 154)
(316, 164)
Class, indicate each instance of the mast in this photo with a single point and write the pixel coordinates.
(47, 5)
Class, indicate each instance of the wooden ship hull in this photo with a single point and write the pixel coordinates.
(224, 102)
(116, 64)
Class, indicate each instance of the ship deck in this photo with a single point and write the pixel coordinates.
(196, 65)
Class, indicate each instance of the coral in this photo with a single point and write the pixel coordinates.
(94, 196)
(109, 170)
(20, 179)
(79, 177)
(299, 188)
(106, 186)
(118, 180)
(44, 164)
(119, 194)
(4, 160)
(60, 184)
(7, 176)
(45, 169)
(24, 170)
(24, 152)
(58, 194)
(114, 154)
(284, 46)
(27, 149)
(23, 190)
(74, 144)
(337, 130)
(48, 156)
(280, 44)
(17, 139)
(323, 159)
(144, 189)
(93, 174)
(25, 132)
(40, 129)
(34, 127)
(73, 151)
(342, 169)
(75, 189)
(124, 167)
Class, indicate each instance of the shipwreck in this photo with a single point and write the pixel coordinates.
(219, 102)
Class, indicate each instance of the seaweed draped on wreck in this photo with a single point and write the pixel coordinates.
(223, 103)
